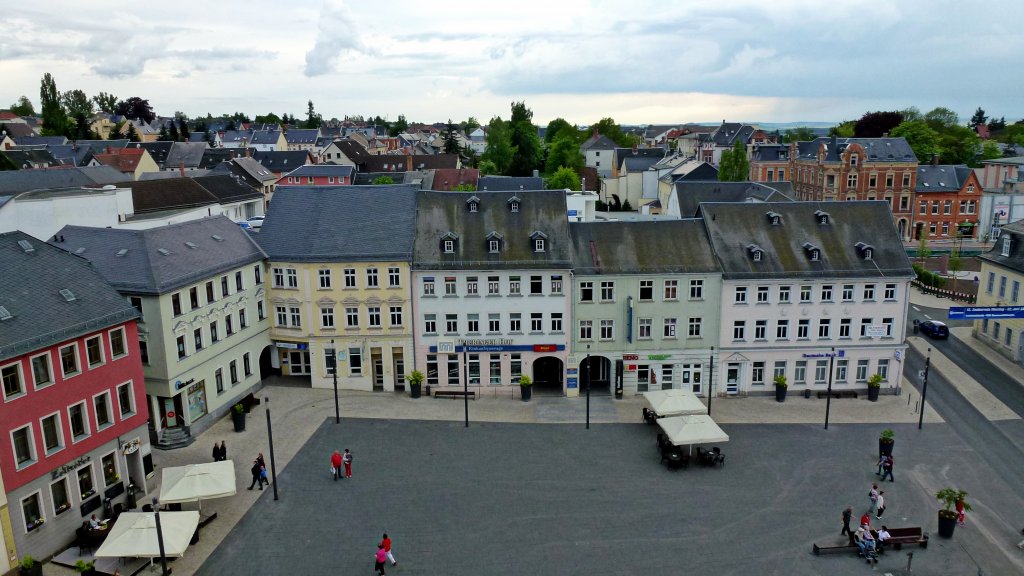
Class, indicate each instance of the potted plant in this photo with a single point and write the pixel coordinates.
(874, 385)
(885, 443)
(948, 514)
(238, 417)
(524, 386)
(83, 567)
(780, 388)
(29, 566)
(415, 383)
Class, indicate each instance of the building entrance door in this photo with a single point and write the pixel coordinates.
(377, 366)
(298, 362)
(732, 378)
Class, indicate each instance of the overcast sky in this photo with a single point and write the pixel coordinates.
(637, 61)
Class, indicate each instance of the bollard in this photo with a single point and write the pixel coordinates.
(910, 558)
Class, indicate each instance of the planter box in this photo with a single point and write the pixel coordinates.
(527, 392)
(780, 393)
(873, 393)
(885, 447)
(414, 389)
(238, 418)
(946, 526)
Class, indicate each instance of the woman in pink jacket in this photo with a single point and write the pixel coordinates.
(381, 559)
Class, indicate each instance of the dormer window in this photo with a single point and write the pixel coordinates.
(513, 204)
(866, 251)
(821, 216)
(813, 252)
(473, 203)
(540, 241)
(774, 218)
(449, 243)
(494, 243)
(756, 253)
(1006, 246)
(853, 159)
(449, 246)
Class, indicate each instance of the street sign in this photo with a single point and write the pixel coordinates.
(982, 312)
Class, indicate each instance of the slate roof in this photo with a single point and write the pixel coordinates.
(423, 178)
(228, 189)
(16, 181)
(41, 315)
(265, 137)
(639, 163)
(235, 136)
(247, 168)
(401, 162)
(214, 156)
(1019, 160)
(189, 153)
(441, 213)
(770, 153)
(281, 161)
(169, 175)
(158, 150)
(703, 171)
(338, 170)
(332, 224)
(690, 194)
(734, 227)
(296, 136)
(877, 149)
(602, 142)
(1015, 261)
(85, 149)
(649, 247)
(16, 129)
(505, 183)
(144, 269)
(657, 152)
(727, 134)
(172, 194)
(197, 137)
(941, 178)
(26, 159)
(355, 151)
(40, 140)
(449, 178)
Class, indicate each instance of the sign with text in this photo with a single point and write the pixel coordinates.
(983, 312)
(876, 331)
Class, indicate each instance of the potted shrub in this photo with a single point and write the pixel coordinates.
(238, 417)
(29, 566)
(83, 567)
(780, 388)
(948, 514)
(415, 383)
(874, 385)
(525, 384)
(885, 443)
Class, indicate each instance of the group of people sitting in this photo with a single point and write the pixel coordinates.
(869, 544)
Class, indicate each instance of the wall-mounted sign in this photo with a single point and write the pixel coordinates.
(130, 447)
(628, 357)
(545, 348)
(62, 470)
(659, 356)
(630, 367)
(836, 354)
(876, 331)
(179, 384)
(445, 347)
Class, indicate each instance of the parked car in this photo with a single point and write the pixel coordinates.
(245, 225)
(934, 329)
(256, 222)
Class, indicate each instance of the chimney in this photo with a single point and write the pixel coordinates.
(833, 144)
(408, 163)
(248, 152)
(935, 159)
(109, 151)
(635, 146)
(181, 168)
(885, 134)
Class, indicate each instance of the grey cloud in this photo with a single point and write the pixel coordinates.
(336, 37)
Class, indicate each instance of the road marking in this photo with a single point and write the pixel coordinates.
(927, 316)
(916, 309)
(979, 396)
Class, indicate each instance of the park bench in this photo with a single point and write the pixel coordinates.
(838, 393)
(897, 538)
(455, 394)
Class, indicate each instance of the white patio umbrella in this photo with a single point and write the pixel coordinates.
(692, 429)
(196, 482)
(134, 535)
(674, 402)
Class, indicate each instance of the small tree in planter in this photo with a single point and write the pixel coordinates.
(83, 567)
(525, 386)
(415, 383)
(886, 442)
(29, 566)
(780, 388)
(238, 417)
(948, 514)
(874, 386)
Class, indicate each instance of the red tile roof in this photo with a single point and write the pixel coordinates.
(123, 159)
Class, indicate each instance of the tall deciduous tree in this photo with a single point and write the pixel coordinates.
(76, 103)
(136, 108)
(23, 107)
(270, 118)
(399, 126)
(735, 167)
(564, 178)
(798, 134)
(922, 139)
(527, 154)
(469, 125)
(564, 153)
(875, 124)
(940, 118)
(608, 127)
(55, 119)
(106, 102)
(555, 127)
(499, 149)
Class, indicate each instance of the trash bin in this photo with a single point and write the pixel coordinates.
(807, 392)
(129, 500)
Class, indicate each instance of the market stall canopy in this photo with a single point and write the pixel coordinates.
(692, 429)
(134, 535)
(674, 402)
(197, 482)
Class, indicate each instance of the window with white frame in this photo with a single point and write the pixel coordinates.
(607, 291)
(841, 368)
(864, 323)
(432, 379)
(514, 286)
(556, 284)
(239, 283)
(428, 286)
(451, 323)
(824, 328)
(449, 286)
(247, 363)
(694, 327)
(757, 373)
(805, 294)
(32, 511)
(371, 277)
(779, 369)
(556, 321)
(586, 291)
(242, 322)
(349, 274)
(644, 328)
(69, 360)
(327, 316)
(42, 373)
(295, 316)
(494, 323)
(108, 463)
(471, 286)
(197, 337)
(536, 285)
(741, 295)
(79, 420)
(821, 371)
(493, 246)
(430, 323)
(669, 330)
(696, 289)
(214, 334)
(800, 372)
(782, 329)
(118, 346)
(53, 433)
(515, 322)
(23, 443)
(373, 317)
(281, 315)
(493, 286)
(101, 404)
(325, 278)
(14, 383)
(538, 245)
(826, 293)
(784, 292)
(763, 294)
(862, 370)
(60, 497)
(607, 330)
(473, 366)
(890, 291)
(647, 290)
(536, 322)
(586, 329)
(883, 369)
(86, 485)
(671, 290)
(395, 315)
(739, 328)
(394, 277)
(869, 292)
(844, 327)
(352, 317)
(887, 323)
(847, 292)
(261, 311)
(803, 329)
(233, 371)
(760, 330)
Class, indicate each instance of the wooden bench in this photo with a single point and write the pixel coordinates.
(455, 394)
(838, 393)
(897, 538)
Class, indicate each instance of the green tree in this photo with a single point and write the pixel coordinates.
(527, 154)
(399, 126)
(313, 120)
(469, 124)
(132, 135)
(106, 102)
(843, 130)
(608, 127)
(874, 124)
(923, 140)
(565, 153)
(487, 168)
(990, 150)
(269, 118)
(960, 145)
(725, 166)
(23, 107)
(923, 251)
(941, 118)
(499, 148)
(136, 108)
(997, 125)
(183, 128)
(451, 140)
(799, 134)
(383, 180)
(978, 119)
(172, 132)
(564, 178)
(555, 128)
(76, 103)
(734, 167)
(164, 135)
(55, 119)
(910, 114)
(954, 264)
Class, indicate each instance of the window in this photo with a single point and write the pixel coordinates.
(449, 246)
(224, 290)
(193, 297)
(844, 327)
(197, 336)
(947, 207)
(494, 369)
(995, 331)
(1002, 285)
(760, 330)
(851, 180)
(607, 291)
(296, 316)
(118, 348)
(741, 295)
(784, 294)
(101, 402)
(869, 291)
(538, 245)
(696, 289)
(515, 321)
(494, 323)
(647, 290)
(906, 180)
(430, 323)
(53, 433)
(325, 279)
(454, 375)
(556, 284)
(991, 282)
(395, 316)
(556, 321)
(889, 179)
(79, 421)
(887, 323)
(1009, 337)
(59, 495)
(42, 375)
(109, 466)
(32, 511)
(176, 304)
(136, 303)
(935, 208)
(473, 365)
(607, 329)
(352, 317)
(371, 277)
(69, 360)
(228, 325)
(847, 292)
(800, 372)
(671, 289)
(536, 284)
(432, 370)
(471, 286)
(327, 316)
(873, 181)
(824, 328)
(862, 370)
(864, 323)
(841, 366)
(493, 246)
(904, 203)
(394, 277)
(239, 285)
(738, 329)
(821, 371)
(449, 286)
(233, 371)
(242, 322)
(1015, 291)
(492, 286)
(349, 274)
(694, 328)
(762, 294)
(13, 382)
(373, 316)
(514, 286)
(586, 291)
(451, 323)
(883, 369)
(782, 330)
(261, 312)
(826, 293)
(644, 329)
(210, 296)
(247, 363)
(643, 377)
(428, 286)
(803, 329)
(805, 294)
(536, 322)
(586, 330)
(757, 374)
(258, 273)
(218, 379)
(214, 336)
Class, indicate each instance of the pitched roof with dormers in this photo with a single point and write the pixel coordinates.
(265, 137)
(690, 194)
(40, 315)
(877, 149)
(506, 183)
(158, 150)
(449, 213)
(1014, 260)
(295, 136)
(340, 224)
(282, 161)
(941, 178)
(649, 247)
(447, 179)
(736, 229)
(124, 159)
(161, 260)
(189, 154)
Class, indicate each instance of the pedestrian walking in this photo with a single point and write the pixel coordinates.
(873, 495)
(881, 464)
(881, 504)
(887, 470)
(865, 521)
(263, 477)
(347, 459)
(255, 470)
(216, 452)
(336, 465)
(847, 518)
(379, 559)
(223, 450)
(263, 465)
(386, 542)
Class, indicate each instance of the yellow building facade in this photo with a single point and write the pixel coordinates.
(1001, 281)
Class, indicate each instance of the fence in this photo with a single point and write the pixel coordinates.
(943, 293)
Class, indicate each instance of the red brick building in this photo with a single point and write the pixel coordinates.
(947, 200)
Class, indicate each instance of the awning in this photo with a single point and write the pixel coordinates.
(197, 482)
(674, 402)
(134, 535)
(692, 429)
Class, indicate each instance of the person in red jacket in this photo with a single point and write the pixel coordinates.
(386, 542)
(336, 464)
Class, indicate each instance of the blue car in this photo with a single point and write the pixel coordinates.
(934, 329)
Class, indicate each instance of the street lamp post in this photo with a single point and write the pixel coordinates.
(924, 388)
(270, 434)
(160, 537)
(588, 386)
(334, 371)
(465, 383)
(828, 399)
(711, 378)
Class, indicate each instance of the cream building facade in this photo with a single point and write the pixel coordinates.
(1002, 274)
